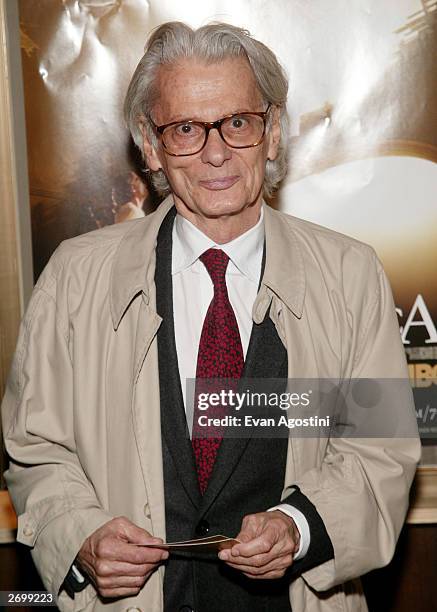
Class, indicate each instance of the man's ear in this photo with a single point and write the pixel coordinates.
(274, 133)
(150, 154)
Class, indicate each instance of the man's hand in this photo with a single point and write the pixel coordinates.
(115, 563)
(269, 541)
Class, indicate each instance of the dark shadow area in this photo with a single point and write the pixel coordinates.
(18, 573)
(409, 582)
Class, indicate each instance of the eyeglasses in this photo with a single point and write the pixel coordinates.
(239, 131)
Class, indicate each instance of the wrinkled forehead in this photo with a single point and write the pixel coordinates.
(211, 88)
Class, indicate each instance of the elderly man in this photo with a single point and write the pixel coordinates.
(214, 284)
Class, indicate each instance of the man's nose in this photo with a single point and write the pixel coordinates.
(215, 151)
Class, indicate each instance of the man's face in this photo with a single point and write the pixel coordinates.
(219, 180)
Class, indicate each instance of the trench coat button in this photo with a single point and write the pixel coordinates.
(186, 608)
(133, 610)
(28, 531)
(202, 528)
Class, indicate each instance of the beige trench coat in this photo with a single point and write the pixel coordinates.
(81, 412)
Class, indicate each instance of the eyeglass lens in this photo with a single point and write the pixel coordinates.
(238, 131)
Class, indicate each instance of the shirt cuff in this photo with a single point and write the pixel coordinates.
(302, 527)
(77, 574)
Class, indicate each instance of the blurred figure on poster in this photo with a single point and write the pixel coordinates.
(108, 459)
(138, 204)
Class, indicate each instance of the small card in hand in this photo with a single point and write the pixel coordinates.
(209, 544)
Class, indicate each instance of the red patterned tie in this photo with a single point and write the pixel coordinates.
(220, 356)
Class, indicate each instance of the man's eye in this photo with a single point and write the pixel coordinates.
(186, 129)
(238, 123)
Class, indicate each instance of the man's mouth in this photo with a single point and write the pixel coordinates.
(218, 184)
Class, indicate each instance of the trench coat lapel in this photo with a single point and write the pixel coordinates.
(173, 419)
(146, 416)
(132, 282)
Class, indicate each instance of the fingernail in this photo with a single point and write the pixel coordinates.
(223, 555)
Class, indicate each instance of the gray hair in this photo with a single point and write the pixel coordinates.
(173, 41)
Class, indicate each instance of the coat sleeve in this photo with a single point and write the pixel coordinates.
(56, 504)
(361, 489)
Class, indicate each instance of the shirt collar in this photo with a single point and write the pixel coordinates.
(245, 251)
(285, 236)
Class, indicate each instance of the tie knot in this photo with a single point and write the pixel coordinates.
(216, 262)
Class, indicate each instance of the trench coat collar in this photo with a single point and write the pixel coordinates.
(284, 273)
(129, 274)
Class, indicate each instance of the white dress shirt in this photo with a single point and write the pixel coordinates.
(192, 293)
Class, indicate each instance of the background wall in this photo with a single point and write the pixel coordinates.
(16, 272)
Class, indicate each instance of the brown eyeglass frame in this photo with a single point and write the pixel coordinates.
(208, 126)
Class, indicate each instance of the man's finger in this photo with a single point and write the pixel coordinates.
(116, 550)
(133, 533)
(120, 568)
(122, 582)
(277, 552)
(277, 564)
(256, 546)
